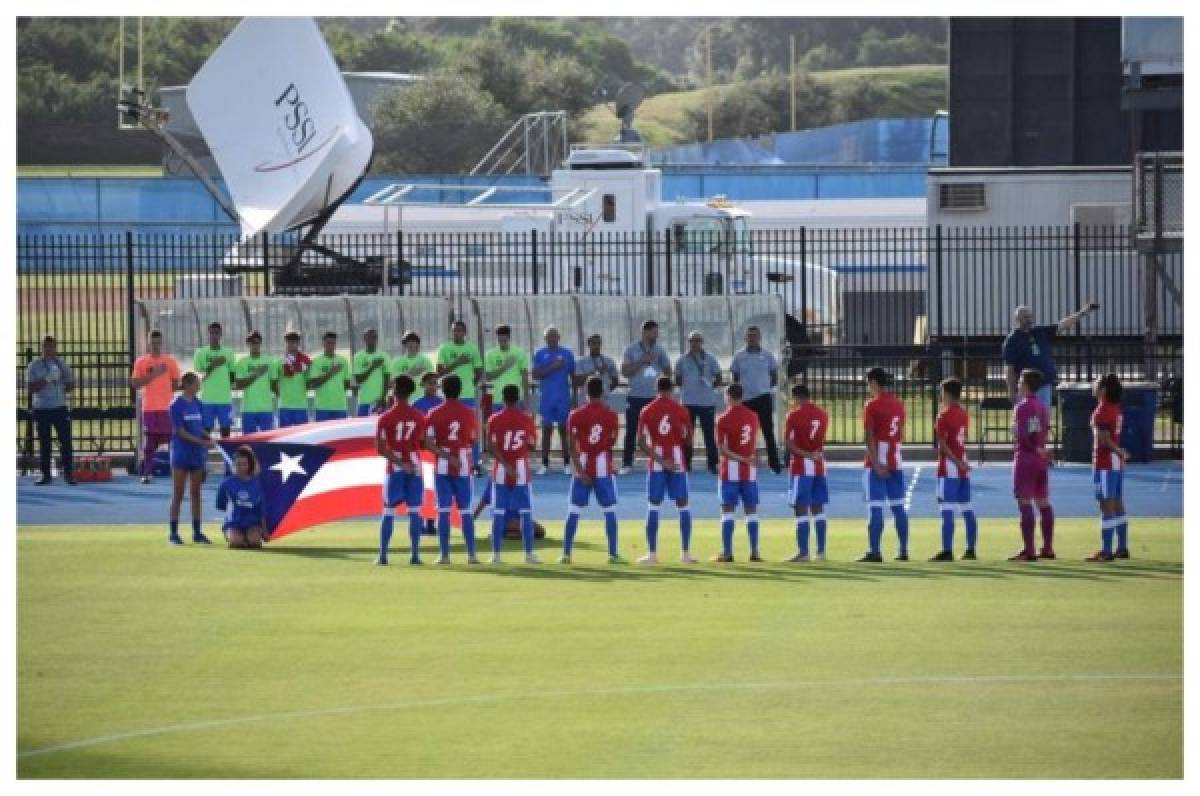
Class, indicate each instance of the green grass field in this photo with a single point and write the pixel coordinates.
(83, 170)
(139, 660)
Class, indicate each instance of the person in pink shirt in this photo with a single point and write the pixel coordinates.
(1031, 468)
(157, 376)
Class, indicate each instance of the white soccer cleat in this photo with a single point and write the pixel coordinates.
(686, 558)
(820, 556)
(443, 561)
(532, 559)
(541, 470)
(649, 558)
(496, 560)
(564, 559)
(799, 558)
(472, 560)
(566, 469)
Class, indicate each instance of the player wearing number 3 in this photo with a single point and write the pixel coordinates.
(510, 435)
(451, 433)
(883, 478)
(664, 426)
(737, 435)
(591, 434)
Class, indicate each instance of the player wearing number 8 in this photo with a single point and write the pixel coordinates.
(510, 434)
(591, 434)
(664, 426)
(883, 478)
(451, 432)
(954, 474)
(737, 433)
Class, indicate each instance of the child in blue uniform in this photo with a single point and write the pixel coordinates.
(189, 455)
(240, 497)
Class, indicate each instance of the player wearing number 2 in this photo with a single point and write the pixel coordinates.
(883, 478)
(510, 435)
(400, 432)
(664, 426)
(954, 473)
(452, 430)
(737, 435)
(591, 434)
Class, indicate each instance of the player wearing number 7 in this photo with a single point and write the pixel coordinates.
(452, 430)
(663, 428)
(591, 434)
(883, 478)
(737, 434)
(510, 434)
(954, 474)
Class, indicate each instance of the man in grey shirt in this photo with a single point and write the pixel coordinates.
(757, 371)
(595, 363)
(48, 380)
(643, 363)
(697, 373)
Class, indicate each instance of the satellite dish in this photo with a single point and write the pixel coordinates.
(629, 97)
(280, 123)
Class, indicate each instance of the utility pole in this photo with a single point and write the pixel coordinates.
(708, 79)
(792, 66)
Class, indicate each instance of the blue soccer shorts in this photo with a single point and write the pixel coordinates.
(954, 492)
(453, 490)
(660, 482)
(605, 488)
(406, 488)
(554, 413)
(733, 492)
(330, 414)
(512, 499)
(883, 491)
(809, 490)
(253, 422)
(1109, 483)
(216, 415)
(292, 417)
(188, 457)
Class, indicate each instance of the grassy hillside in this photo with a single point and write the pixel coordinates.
(910, 91)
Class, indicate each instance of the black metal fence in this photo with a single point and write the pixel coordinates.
(920, 301)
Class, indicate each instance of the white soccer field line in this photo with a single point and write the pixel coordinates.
(195, 726)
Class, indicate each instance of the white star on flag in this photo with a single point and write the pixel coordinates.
(288, 465)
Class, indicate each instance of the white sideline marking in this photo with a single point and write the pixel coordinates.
(912, 487)
(210, 724)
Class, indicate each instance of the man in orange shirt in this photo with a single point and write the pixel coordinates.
(157, 375)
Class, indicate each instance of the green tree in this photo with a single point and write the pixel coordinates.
(858, 99)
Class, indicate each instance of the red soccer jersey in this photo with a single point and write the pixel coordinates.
(951, 429)
(402, 428)
(805, 428)
(884, 416)
(593, 427)
(1107, 417)
(668, 426)
(737, 431)
(452, 426)
(512, 434)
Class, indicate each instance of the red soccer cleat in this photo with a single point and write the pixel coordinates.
(1099, 555)
(1023, 556)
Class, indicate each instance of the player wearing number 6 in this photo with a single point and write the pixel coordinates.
(399, 435)
(954, 474)
(664, 426)
(451, 432)
(883, 478)
(510, 434)
(737, 433)
(591, 434)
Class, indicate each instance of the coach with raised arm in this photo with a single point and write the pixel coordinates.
(1029, 347)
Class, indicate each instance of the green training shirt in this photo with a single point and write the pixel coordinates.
(331, 396)
(449, 351)
(512, 375)
(405, 364)
(215, 388)
(371, 390)
(257, 396)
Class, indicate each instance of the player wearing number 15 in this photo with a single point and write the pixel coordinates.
(451, 433)
(737, 436)
(591, 434)
(954, 474)
(664, 426)
(883, 478)
(399, 438)
(510, 434)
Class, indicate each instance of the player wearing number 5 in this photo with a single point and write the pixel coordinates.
(954, 474)
(591, 434)
(510, 434)
(664, 427)
(451, 432)
(399, 438)
(883, 478)
(737, 435)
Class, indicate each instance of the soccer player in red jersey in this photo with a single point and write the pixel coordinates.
(804, 432)
(399, 438)
(452, 430)
(954, 473)
(591, 434)
(510, 435)
(1108, 469)
(737, 434)
(1031, 467)
(663, 428)
(883, 478)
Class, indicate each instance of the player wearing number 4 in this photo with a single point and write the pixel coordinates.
(663, 428)
(804, 433)
(399, 438)
(883, 478)
(737, 434)
(591, 434)
(451, 432)
(954, 473)
(510, 434)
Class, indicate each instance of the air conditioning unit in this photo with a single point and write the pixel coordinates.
(962, 196)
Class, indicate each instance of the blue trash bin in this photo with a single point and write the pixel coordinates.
(1139, 405)
(1075, 406)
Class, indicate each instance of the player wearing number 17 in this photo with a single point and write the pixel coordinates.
(883, 478)
(451, 432)
(399, 438)
(663, 428)
(591, 434)
(510, 434)
(737, 435)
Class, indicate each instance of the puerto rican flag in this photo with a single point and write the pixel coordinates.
(323, 472)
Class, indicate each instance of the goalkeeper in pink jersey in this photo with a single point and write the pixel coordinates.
(1031, 467)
